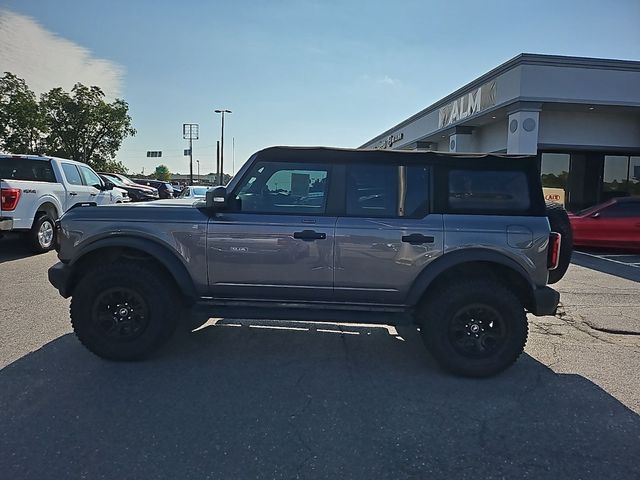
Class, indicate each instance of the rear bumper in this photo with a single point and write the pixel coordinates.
(6, 224)
(545, 301)
(60, 278)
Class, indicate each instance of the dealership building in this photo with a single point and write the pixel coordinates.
(580, 116)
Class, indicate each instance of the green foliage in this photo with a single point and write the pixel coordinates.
(162, 173)
(79, 125)
(22, 126)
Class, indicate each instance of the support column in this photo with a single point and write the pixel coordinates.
(522, 133)
(460, 140)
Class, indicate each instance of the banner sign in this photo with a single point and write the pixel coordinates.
(475, 101)
(555, 195)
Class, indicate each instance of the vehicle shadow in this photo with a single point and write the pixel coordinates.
(589, 259)
(256, 401)
(13, 247)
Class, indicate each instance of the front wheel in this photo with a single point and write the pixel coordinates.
(124, 311)
(474, 328)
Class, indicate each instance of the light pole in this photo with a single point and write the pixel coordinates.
(222, 112)
(198, 162)
(191, 132)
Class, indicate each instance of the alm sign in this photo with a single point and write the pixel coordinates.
(475, 101)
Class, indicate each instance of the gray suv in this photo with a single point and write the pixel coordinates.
(459, 244)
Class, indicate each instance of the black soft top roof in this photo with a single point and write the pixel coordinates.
(329, 154)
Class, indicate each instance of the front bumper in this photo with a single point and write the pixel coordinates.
(60, 278)
(6, 224)
(545, 301)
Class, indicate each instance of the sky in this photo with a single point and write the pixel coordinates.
(305, 72)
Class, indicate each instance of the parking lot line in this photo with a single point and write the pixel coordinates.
(606, 257)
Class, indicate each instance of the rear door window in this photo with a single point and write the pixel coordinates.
(488, 191)
(387, 191)
(26, 169)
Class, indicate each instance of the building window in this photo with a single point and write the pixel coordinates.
(615, 177)
(634, 176)
(554, 170)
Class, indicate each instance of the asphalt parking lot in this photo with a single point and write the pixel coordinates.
(255, 399)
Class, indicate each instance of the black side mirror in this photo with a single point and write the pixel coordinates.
(217, 198)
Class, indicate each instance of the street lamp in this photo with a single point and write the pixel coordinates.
(221, 173)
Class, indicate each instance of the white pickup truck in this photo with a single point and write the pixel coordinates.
(36, 190)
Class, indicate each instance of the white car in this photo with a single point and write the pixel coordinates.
(36, 190)
(194, 191)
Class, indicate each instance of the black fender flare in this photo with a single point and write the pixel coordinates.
(456, 258)
(162, 254)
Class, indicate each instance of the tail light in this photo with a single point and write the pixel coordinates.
(553, 259)
(9, 198)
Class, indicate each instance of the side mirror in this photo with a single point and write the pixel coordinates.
(217, 198)
(104, 186)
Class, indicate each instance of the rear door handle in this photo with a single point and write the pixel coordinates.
(417, 239)
(309, 235)
(73, 194)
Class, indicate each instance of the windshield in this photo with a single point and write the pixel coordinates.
(115, 180)
(199, 191)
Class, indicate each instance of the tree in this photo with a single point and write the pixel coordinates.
(163, 173)
(84, 127)
(22, 126)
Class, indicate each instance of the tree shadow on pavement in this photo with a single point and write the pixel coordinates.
(253, 402)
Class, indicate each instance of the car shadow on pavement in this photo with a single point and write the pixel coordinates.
(254, 401)
(589, 260)
(13, 247)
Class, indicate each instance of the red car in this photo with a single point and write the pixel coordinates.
(613, 224)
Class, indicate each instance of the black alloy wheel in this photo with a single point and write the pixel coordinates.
(477, 331)
(120, 314)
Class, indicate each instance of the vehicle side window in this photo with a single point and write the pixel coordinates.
(27, 169)
(477, 191)
(71, 174)
(387, 191)
(273, 187)
(621, 210)
(90, 177)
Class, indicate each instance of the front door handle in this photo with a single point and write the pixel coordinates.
(309, 235)
(73, 194)
(417, 239)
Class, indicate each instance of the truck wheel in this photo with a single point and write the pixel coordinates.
(559, 222)
(474, 328)
(124, 311)
(42, 235)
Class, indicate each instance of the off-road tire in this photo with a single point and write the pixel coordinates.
(559, 222)
(150, 284)
(440, 311)
(36, 244)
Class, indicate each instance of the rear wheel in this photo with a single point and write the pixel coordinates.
(474, 328)
(42, 234)
(559, 222)
(124, 311)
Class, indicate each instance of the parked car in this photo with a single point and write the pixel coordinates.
(36, 190)
(613, 224)
(460, 245)
(165, 190)
(137, 193)
(193, 191)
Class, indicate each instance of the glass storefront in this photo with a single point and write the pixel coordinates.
(582, 179)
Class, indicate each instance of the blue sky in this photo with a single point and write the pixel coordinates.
(308, 72)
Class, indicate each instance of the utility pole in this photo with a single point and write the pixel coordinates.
(218, 162)
(190, 131)
(198, 162)
(222, 111)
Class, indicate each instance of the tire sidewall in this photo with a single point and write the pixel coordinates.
(160, 307)
(436, 325)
